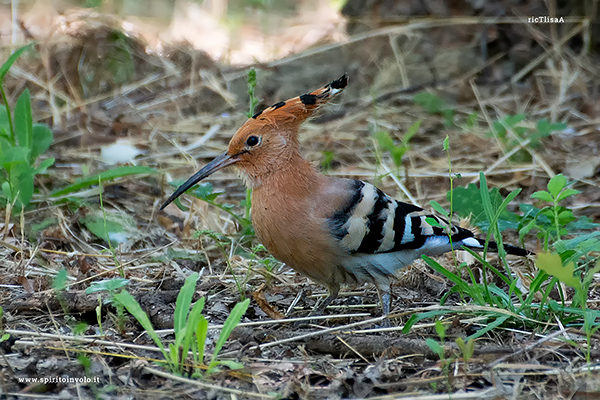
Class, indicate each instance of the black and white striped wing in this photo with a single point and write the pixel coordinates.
(372, 222)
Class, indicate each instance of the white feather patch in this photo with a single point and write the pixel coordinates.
(357, 223)
(426, 229)
(387, 243)
(472, 242)
(407, 235)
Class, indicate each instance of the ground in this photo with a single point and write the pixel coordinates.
(104, 95)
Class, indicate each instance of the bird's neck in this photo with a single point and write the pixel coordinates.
(286, 172)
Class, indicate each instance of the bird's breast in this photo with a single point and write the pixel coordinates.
(289, 224)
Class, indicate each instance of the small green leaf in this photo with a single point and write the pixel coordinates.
(552, 265)
(24, 121)
(397, 153)
(80, 328)
(385, 140)
(467, 349)
(7, 191)
(446, 143)
(14, 154)
(543, 127)
(435, 347)
(204, 191)
(412, 131)
(438, 208)
(440, 330)
(47, 163)
(60, 281)
(105, 230)
(556, 184)
(191, 325)
(108, 285)
(433, 222)
(543, 195)
(471, 119)
(42, 139)
(489, 327)
(418, 317)
(21, 181)
(512, 120)
(430, 102)
(231, 364)
(567, 193)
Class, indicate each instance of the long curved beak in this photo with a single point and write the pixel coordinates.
(218, 163)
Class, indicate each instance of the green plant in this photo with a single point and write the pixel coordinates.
(205, 192)
(86, 364)
(252, 106)
(518, 304)
(221, 241)
(327, 161)
(251, 87)
(438, 348)
(59, 284)
(435, 105)
(521, 131)
(21, 144)
(434, 204)
(188, 325)
(466, 348)
(4, 336)
(551, 221)
(113, 287)
(565, 272)
(386, 143)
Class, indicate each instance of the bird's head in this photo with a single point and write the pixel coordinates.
(267, 140)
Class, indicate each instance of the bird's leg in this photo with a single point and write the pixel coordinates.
(385, 298)
(323, 302)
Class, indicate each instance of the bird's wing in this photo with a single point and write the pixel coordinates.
(372, 222)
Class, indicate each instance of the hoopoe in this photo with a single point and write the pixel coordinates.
(335, 231)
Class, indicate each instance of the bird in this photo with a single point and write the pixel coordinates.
(336, 231)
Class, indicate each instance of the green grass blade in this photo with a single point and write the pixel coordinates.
(184, 299)
(11, 60)
(201, 332)
(129, 302)
(499, 321)
(418, 317)
(104, 176)
(192, 324)
(462, 287)
(232, 321)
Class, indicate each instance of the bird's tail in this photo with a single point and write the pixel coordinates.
(493, 247)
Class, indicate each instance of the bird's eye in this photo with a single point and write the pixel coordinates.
(252, 141)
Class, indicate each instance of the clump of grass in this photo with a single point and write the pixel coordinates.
(191, 329)
(112, 287)
(566, 261)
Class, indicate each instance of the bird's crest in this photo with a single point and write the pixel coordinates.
(298, 109)
(268, 139)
